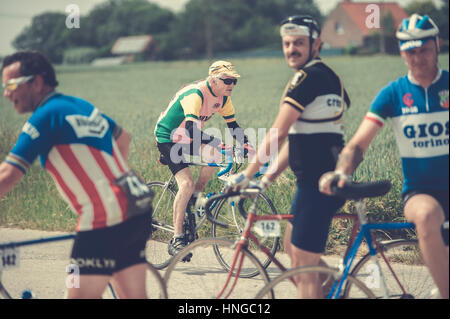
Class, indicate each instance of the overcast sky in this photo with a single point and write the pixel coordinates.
(17, 14)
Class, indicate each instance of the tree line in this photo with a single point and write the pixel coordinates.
(201, 29)
(203, 25)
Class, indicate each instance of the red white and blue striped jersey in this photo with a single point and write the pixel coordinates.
(76, 145)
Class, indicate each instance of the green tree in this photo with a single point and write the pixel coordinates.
(100, 29)
(439, 15)
(45, 35)
(232, 25)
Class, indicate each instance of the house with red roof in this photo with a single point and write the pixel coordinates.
(351, 22)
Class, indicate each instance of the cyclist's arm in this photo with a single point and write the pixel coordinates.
(275, 138)
(280, 164)
(351, 155)
(237, 132)
(9, 177)
(123, 142)
(194, 132)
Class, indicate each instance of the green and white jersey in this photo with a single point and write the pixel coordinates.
(194, 102)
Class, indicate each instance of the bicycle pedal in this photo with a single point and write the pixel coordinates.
(187, 258)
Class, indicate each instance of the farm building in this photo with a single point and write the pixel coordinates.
(350, 23)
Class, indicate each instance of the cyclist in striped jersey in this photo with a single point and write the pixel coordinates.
(86, 154)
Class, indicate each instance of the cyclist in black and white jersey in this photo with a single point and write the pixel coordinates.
(310, 116)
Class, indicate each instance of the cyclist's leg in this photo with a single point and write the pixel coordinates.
(185, 183)
(88, 287)
(428, 215)
(129, 284)
(208, 155)
(312, 212)
(173, 153)
(307, 284)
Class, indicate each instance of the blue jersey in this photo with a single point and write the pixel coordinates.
(420, 122)
(76, 145)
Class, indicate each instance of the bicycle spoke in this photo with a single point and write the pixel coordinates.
(406, 276)
(162, 227)
(203, 277)
(284, 288)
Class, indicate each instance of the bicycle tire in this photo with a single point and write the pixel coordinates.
(153, 279)
(162, 225)
(202, 279)
(236, 226)
(4, 294)
(282, 287)
(406, 261)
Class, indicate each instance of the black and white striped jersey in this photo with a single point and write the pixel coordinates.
(316, 138)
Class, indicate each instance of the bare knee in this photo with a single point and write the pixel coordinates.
(426, 214)
(186, 185)
(300, 257)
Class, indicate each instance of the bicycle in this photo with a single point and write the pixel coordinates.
(162, 224)
(379, 270)
(213, 281)
(355, 287)
(10, 261)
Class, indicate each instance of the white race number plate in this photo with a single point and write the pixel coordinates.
(267, 228)
(9, 258)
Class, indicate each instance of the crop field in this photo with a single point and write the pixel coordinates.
(135, 94)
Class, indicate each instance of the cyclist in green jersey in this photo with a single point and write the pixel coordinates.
(179, 132)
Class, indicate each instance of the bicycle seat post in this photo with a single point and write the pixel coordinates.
(360, 207)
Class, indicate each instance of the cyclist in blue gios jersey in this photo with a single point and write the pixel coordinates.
(86, 153)
(418, 104)
(179, 131)
(310, 117)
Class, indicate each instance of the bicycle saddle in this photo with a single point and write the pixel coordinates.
(361, 190)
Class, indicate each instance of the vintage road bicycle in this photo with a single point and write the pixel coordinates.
(215, 283)
(224, 210)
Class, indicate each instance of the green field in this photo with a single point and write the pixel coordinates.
(135, 94)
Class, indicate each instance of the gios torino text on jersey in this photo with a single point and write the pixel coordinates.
(76, 145)
(420, 121)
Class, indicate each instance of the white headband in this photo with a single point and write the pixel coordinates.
(293, 29)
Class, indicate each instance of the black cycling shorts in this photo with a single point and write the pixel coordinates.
(108, 250)
(174, 158)
(313, 212)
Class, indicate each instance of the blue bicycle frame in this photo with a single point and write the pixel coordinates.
(364, 233)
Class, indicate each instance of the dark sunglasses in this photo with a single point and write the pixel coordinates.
(229, 81)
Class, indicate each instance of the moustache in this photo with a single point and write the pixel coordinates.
(295, 54)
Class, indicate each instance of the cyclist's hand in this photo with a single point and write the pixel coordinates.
(237, 182)
(249, 151)
(261, 184)
(327, 179)
(227, 148)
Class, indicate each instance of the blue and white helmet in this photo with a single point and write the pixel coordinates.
(414, 31)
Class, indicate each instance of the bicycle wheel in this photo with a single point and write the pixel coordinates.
(156, 287)
(202, 278)
(227, 211)
(283, 286)
(162, 225)
(404, 258)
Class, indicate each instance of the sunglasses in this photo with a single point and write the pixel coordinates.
(229, 81)
(13, 84)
